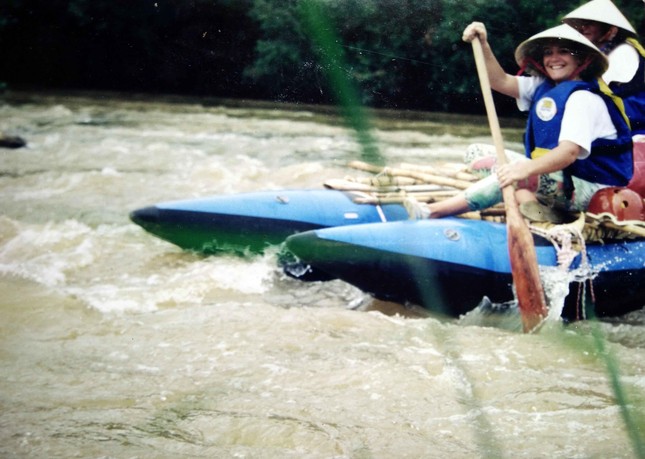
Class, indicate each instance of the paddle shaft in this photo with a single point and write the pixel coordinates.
(524, 267)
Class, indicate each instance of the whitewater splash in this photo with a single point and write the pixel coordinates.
(94, 265)
(557, 284)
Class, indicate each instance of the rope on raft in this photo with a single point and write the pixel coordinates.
(567, 239)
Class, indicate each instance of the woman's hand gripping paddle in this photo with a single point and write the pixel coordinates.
(521, 250)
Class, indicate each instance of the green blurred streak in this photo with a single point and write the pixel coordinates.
(627, 410)
(331, 54)
(333, 61)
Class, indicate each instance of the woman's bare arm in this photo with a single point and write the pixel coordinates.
(500, 81)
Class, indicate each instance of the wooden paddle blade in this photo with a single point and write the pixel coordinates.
(526, 274)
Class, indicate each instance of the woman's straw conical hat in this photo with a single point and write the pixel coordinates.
(568, 36)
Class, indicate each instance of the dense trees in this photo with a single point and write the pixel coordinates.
(399, 53)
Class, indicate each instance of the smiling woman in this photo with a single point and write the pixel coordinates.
(577, 139)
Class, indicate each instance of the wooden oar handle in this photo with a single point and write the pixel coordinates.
(489, 103)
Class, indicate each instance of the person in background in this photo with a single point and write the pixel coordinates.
(577, 140)
(605, 26)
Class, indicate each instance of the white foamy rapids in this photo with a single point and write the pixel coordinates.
(95, 265)
(44, 254)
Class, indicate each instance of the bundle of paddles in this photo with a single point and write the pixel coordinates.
(613, 213)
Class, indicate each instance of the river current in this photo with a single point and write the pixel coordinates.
(114, 343)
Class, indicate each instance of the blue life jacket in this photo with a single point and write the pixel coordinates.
(633, 92)
(611, 160)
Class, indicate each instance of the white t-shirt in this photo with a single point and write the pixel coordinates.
(585, 117)
(623, 64)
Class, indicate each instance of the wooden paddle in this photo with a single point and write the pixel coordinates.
(524, 267)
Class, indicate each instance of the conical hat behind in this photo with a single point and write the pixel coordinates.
(601, 11)
(533, 46)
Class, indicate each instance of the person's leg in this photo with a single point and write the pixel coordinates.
(454, 205)
(481, 158)
(481, 195)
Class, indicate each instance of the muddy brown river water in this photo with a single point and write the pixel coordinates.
(116, 344)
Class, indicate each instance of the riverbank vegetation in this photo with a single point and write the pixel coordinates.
(401, 54)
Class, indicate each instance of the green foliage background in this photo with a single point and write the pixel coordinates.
(404, 54)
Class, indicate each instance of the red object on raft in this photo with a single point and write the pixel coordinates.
(626, 203)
